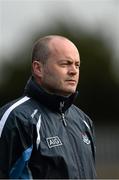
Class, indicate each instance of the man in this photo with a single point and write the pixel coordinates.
(42, 134)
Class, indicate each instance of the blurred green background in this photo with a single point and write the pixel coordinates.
(99, 73)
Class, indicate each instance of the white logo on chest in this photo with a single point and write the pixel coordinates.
(34, 113)
(85, 139)
(53, 141)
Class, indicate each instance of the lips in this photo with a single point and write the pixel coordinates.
(72, 81)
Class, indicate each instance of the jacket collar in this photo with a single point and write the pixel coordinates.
(52, 101)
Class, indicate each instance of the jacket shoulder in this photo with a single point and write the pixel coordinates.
(13, 106)
(11, 110)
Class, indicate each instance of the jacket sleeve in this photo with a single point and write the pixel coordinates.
(15, 146)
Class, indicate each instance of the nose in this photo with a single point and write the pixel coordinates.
(73, 70)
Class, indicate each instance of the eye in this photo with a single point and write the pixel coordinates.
(77, 66)
(64, 63)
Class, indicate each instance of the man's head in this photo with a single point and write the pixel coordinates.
(55, 64)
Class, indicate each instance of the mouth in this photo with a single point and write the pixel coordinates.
(71, 81)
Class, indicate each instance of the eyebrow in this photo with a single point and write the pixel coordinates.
(69, 60)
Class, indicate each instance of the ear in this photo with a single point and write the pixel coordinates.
(37, 68)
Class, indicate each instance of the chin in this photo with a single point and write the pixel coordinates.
(71, 92)
(67, 91)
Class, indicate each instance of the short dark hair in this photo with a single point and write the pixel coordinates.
(41, 51)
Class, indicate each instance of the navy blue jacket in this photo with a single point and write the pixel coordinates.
(45, 136)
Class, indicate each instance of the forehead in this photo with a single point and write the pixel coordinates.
(62, 48)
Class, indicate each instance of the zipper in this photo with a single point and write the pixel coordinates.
(63, 119)
(62, 114)
(68, 133)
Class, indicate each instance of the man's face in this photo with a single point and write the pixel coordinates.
(60, 74)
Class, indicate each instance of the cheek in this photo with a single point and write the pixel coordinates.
(78, 75)
(55, 75)
(51, 77)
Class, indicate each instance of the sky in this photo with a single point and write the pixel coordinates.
(19, 18)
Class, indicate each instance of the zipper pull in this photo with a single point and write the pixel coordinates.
(64, 120)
